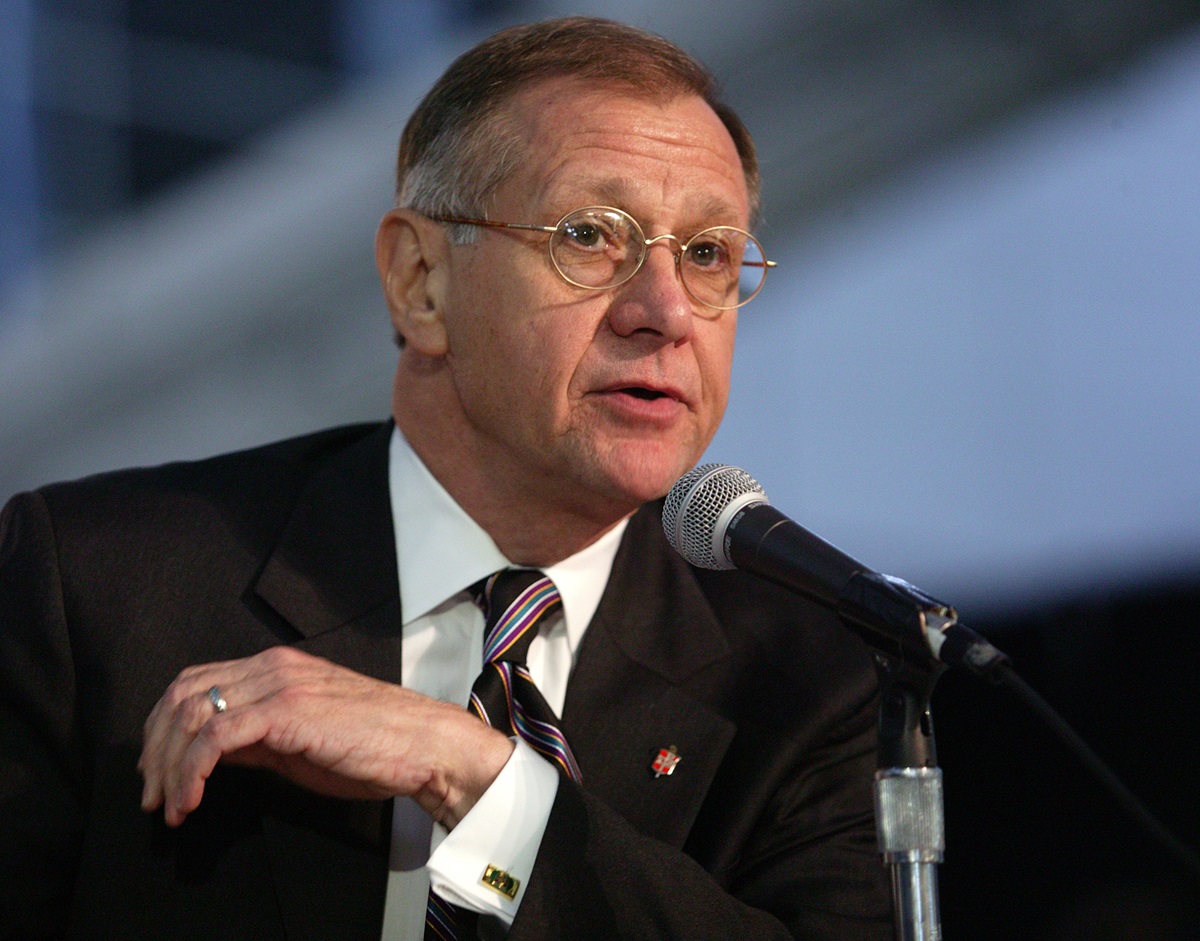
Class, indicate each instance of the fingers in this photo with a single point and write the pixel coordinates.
(184, 710)
(188, 769)
(279, 702)
(192, 683)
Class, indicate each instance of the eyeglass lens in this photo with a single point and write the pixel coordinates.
(598, 248)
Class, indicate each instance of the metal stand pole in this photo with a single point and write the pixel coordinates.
(908, 800)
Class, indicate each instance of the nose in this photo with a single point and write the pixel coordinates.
(654, 300)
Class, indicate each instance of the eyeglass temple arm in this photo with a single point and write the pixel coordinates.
(495, 225)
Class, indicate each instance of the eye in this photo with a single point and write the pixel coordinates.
(709, 254)
(596, 247)
(584, 233)
(593, 231)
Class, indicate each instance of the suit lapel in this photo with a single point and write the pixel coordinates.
(653, 634)
(332, 573)
(332, 577)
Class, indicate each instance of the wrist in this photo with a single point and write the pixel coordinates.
(454, 789)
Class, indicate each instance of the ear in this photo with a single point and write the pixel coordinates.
(410, 252)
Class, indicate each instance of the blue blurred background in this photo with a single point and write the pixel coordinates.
(977, 366)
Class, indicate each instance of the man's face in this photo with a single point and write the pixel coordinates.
(595, 399)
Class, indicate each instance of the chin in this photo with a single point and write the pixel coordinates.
(637, 475)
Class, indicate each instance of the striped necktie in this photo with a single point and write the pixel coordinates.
(514, 603)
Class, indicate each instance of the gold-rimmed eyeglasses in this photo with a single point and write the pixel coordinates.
(600, 247)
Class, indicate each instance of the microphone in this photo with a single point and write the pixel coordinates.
(718, 517)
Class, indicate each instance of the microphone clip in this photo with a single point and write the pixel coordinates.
(916, 629)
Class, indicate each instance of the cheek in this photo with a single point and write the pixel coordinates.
(559, 367)
(562, 338)
(716, 363)
(522, 339)
(525, 368)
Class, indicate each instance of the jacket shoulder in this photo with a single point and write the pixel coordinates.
(270, 465)
(247, 493)
(300, 452)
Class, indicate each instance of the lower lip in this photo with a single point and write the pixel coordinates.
(662, 409)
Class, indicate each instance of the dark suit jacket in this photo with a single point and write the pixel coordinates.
(110, 586)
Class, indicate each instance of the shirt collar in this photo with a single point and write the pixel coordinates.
(440, 550)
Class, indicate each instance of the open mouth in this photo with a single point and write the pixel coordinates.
(640, 393)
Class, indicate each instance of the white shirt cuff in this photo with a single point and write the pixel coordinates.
(504, 829)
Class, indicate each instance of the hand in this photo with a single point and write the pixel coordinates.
(320, 725)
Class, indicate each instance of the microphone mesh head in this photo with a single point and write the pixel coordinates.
(697, 509)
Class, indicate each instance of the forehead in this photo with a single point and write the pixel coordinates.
(671, 156)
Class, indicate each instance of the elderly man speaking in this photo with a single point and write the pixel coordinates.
(443, 677)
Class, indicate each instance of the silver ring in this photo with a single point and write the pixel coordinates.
(218, 701)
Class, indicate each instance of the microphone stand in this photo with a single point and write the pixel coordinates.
(916, 638)
(909, 818)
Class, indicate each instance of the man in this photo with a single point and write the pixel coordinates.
(281, 641)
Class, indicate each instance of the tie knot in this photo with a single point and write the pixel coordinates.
(514, 602)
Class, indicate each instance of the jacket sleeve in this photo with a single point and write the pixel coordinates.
(42, 773)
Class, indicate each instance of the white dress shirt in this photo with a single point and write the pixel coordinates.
(440, 552)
